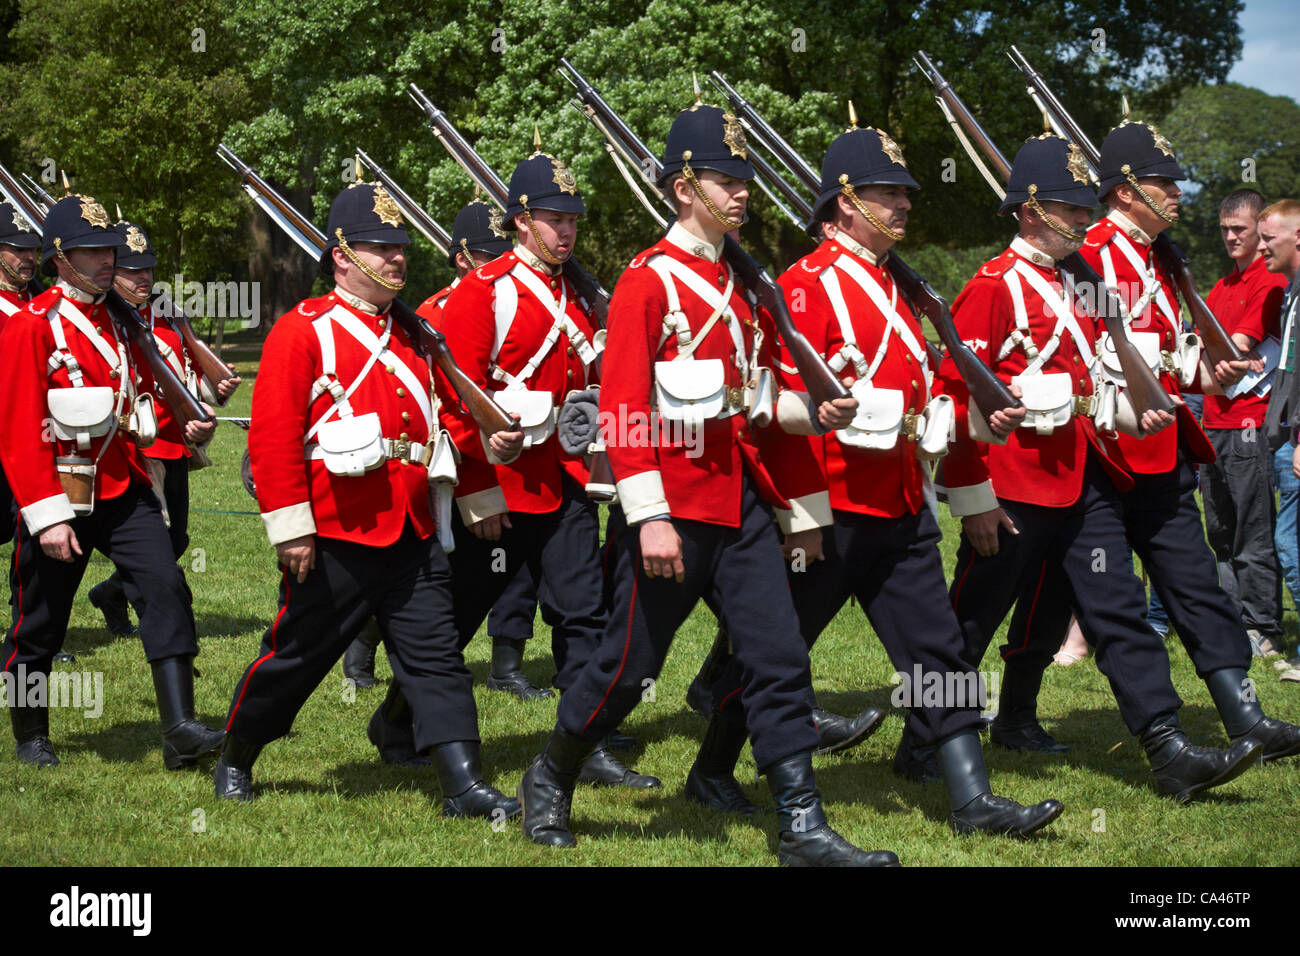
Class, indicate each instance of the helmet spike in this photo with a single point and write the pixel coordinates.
(67, 190)
(853, 116)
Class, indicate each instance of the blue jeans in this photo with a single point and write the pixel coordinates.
(1284, 533)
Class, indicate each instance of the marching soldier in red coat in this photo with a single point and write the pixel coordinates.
(860, 523)
(342, 435)
(518, 327)
(1050, 496)
(69, 376)
(171, 455)
(1162, 521)
(684, 386)
(19, 242)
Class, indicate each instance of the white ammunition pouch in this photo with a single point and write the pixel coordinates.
(1048, 398)
(350, 446)
(760, 398)
(80, 414)
(693, 390)
(535, 411)
(879, 418)
(143, 422)
(1147, 345)
(1189, 358)
(77, 478)
(940, 428)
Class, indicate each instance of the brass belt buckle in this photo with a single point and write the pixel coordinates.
(402, 450)
(1083, 404)
(1167, 362)
(912, 427)
(735, 397)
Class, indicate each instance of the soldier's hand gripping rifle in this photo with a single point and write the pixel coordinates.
(601, 484)
(426, 338)
(989, 392)
(1218, 344)
(1144, 389)
(822, 383)
(185, 407)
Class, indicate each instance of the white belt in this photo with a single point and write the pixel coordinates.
(395, 449)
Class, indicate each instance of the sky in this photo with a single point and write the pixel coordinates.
(1270, 36)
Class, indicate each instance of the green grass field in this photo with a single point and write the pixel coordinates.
(325, 799)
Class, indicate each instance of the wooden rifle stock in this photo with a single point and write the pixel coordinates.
(184, 406)
(988, 391)
(210, 364)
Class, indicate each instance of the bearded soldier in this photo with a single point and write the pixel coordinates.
(1050, 496)
(698, 513)
(76, 414)
(19, 243)
(341, 441)
(1162, 522)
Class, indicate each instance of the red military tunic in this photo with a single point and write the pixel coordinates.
(1111, 245)
(298, 496)
(533, 482)
(170, 444)
(28, 448)
(431, 308)
(885, 483)
(12, 301)
(656, 472)
(1036, 469)
(1246, 301)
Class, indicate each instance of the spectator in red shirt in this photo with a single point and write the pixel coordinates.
(1238, 486)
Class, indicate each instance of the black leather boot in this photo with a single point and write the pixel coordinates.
(712, 780)
(806, 838)
(546, 791)
(1016, 726)
(109, 598)
(602, 767)
(699, 696)
(1243, 717)
(185, 740)
(915, 761)
(393, 733)
(359, 658)
(836, 733)
(507, 673)
(32, 734)
(464, 794)
(974, 805)
(233, 777)
(1183, 770)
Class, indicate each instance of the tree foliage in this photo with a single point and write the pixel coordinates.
(117, 95)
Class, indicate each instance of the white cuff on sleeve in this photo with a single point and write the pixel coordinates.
(806, 513)
(48, 512)
(285, 524)
(972, 499)
(795, 414)
(642, 496)
(482, 504)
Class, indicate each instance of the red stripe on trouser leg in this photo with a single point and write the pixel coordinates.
(1033, 606)
(627, 642)
(257, 663)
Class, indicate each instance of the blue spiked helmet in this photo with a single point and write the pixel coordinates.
(859, 157)
(706, 137)
(76, 222)
(364, 212)
(1049, 169)
(1133, 150)
(478, 227)
(541, 182)
(16, 230)
(138, 253)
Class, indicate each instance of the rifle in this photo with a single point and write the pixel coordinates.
(1219, 346)
(988, 391)
(1144, 389)
(421, 220)
(210, 364)
(427, 340)
(822, 383)
(601, 483)
(184, 405)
